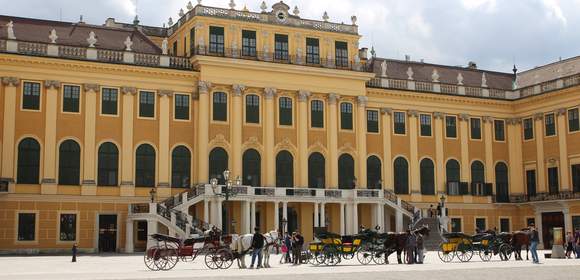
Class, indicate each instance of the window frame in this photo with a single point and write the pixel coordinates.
(341, 57)
(499, 223)
(36, 226)
(571, 120)
(430, 118)
(101, 100)
(139, 116)
(553, 125)
(212, 102)
(40, 91)
(249, 47)
(282, 54)
(395, 113)
(118, 179)
(471, 119)
(461, 223)
(455, 127)
(62, 99)
(495, 135)
(378, 121)
(80, 164)
(292, 103)
(155, 165)
(310, 116)
(58, 227)
(480, 218)
(259, 123)
(220, 47)
(532, 129)
(189, 103)
(352, 117)
(312, 51)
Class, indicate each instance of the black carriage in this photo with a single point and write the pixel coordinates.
(464, 246)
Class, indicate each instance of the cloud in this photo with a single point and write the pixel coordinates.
(486, 5)
(554, 10)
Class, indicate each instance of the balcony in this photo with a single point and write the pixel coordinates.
(457, 188)
(481, 189)
(538, 197)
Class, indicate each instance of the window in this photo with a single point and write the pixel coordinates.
(68, 227)
(531, 182)
(181, 107)
(573, 120)
(341, 54)
(192, 41)
(218, 163)
(317, 113)
(69, 163)
(504, 225)
(553, 184)
(109, 98)
(174, 52)
(145, 166)
(108, 165)
(427, 177)
(475, 128)
(453, 176)
(316, 171)
(346, 179)
(373, 121)
(142, 230)
(346, 116)
(70, 99)
(499, 127)
(146, 104)
(451, 126)
(280, 47)
(425, 124)
(576, 177)
(401, 176)
(480, 224)
(312, 51)
(399, 127)
(374, 173)
(216, 40)
(252, 108)
(249, 43)
(501, 182)
(220, 107)
(28, 162)
(285, 111)
(477, 172)
(26, 226)
(528, 129)
(31, 98)
(284, 170)
(251, 168)
(550, 124)
(180, 167)
(456, 225)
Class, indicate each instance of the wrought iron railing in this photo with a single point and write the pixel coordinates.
(544, 196)
(140, 208)
(163, 212)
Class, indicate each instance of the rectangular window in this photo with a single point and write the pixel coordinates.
(142, 230)
(249, 43)
(26, 226)
(480, 224)
(573, 120)
(174, 48)
(373, 121)
(31, 98)
(425, 121)
(456, 225)
(346, 116)
(475, 128)
(399, 118)
(146, 104)
(528, 129)
(550, 125)
(499, 127)
(504, 225)
(553, 184)
(252, 109)
(216, 40)
(109, 98)
(70, 99)
(317, 114)
(192, 47)
(341, 54)
(531, 182)
(220, 107)
(285, 111)
(181, 107)
(312, 51)
(68, 227)
(576, 178)
(281, 47)
(451, 126)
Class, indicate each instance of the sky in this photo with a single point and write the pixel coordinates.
(492, 33)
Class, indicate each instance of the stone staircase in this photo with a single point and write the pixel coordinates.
(432, 241)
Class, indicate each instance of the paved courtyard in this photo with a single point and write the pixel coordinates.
(132, 267)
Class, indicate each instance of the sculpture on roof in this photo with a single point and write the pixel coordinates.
(52, 36)
(10, 30)
(189, 6)
(92, 40)
(435, 76)
(232, 4)
(181, 13)
(483, 80)
(325, 16)
(460, 79)
(353, 19)
(128, 44)
(384, 69)
(263, 6)
(296, 11)
(170, 22)
(164, 46)
(410, 73)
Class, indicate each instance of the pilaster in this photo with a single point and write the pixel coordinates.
(303, 138)
(516, 168)
(388, 182)
(464, 134)
(439, 152)
(540, 162)
(203, 132)
(332, 135)
(89, 184)
(164, 149)
(127, 153)
(361, 141)
(237, 123)
(269, 138)
(563, 145)
(414, 153)
(9, 129)
(488, 142)
(49, 180)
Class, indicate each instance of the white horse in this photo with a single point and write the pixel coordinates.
(242, 243)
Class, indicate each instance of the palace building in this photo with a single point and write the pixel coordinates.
(112, 132)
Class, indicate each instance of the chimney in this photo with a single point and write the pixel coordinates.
(407, 58)
(472, 65)
(363, 53)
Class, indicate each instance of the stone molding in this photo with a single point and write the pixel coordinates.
(88, 183)
(362, 101)
(129, 90)
(163, 93)
(538, 116)
(269, 93)
(91, 87)
(562, 112)
(52, 84)
(204, 87)
(388, 111)
(333, 98)
(10, 81)
(238, 89)
(463, 117)
(438, 115)
(303, 95)
(487, 119)
(413, 113)
(514, 121)
(48, 181)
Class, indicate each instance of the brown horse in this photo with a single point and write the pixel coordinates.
(520, 239)
(396, 242)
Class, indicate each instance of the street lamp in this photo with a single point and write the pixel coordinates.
(284, 222)
(226, 192)
(152, 194)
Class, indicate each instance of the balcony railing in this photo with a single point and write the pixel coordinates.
(163, 212)
(481, 189)
(141, 208)
(566, 195)
(457, 188)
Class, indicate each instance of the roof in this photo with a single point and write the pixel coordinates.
(422, 72)
(76, 34)
(549, 72)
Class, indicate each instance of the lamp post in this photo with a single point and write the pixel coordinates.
(226, 192)
(152, 194)
(284, 222)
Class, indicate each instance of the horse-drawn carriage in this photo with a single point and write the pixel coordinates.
(463, 246)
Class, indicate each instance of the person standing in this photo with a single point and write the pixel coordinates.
(297, 247)
(420, 249)
(577, 242)
(288, 244)
(257, 246)
(535, 239)
(569, 244)
(411, 244)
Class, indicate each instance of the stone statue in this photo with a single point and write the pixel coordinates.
(410, 73)
(10, 30)
(189, 6)
(459, 79)
(357, 62)
(325, 16)
(232, 4)
(164, 46)
(354, 20)
(53, 36)
(170, 22)
(181, 13)
(435, 76)
(483, 80)
(128, 44)
(384, 68)
(92, 40)
(296, 11)
(263, 6)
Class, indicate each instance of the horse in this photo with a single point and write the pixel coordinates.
(396, 242)
(519, 239)
(241, 245)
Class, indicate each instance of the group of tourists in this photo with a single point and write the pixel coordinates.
(414, 247)
(573, 244)
(292, 248)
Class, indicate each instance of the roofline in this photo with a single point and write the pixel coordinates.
(443, 66)
(551, 64)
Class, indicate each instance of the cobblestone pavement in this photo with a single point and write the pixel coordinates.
(131, 267)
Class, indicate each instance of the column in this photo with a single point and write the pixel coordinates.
(129, 237)
(567, 220)
(203, 132)
(303, 138)
(361, 141)
(541, 166)
(564, 166)
(342, 226)
(488, 141)
(516, 168)
(253, 215)
(414, 153)
(89, 185)
(127, 153)
(246, 218)
(151, 229)
(332, 134)
(9, 130)
(380, 210)
(164, 149)
(219, 214)
(49, 176)
(285, 215)
(277, 215)
(439, 152)
(354, 218)
(237, 125)
(538, 224)
(316, 218)
(206, 210)
(322, 221)
(398, 217)
(269, 138)
(387, 222)
(464, 134)
(387, 156)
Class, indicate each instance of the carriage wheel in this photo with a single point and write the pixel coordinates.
(212, 260)
(464, 251)
(319, 258)
(226, 257)
(187, 258)
(149, 258)
(166, 258)
(505, 252)
(485, 254)
(331, 255)
(306, 256)
(444, 254)
(379, 257)
(364, 255)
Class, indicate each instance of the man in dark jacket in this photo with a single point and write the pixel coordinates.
(535, 239)
(298, 242)
(257, 246)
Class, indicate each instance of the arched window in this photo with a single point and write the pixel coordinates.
(477, 172)
(452, 171)
(145, 166)
(181, 167)
(346, 178)
(220, 106)
(284, 170)
(346, 116)
(28, 162)
(251, 168)
(108, 165)
(427, 177)
(285, 111)
(316, 171)
(317, 113)
(401, 175)
(501, 182)
(69, 163)
(218, 163)
(374, 173)
(252, 108)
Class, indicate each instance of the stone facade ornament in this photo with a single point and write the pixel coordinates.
(362, 101)
(538, 116)
(129, 90)
(303, 95)
(181, 13)
(92, 40)
(128, 44)
(357, 65)
(51, 84)
(438, 115)
(296, 12)
(199, 2)
(52, 36)
(333, 98)
(325, 17)
(413, 113)
(384, 69)
(388, 111)
(164, 46)
(232, 4)
(10, 31)
(10, 81)
(435, 76)
(270, 93)
(410, 73)
(164, 93)
(460, 79)
(170, 22)
(487, 119)
(263, 6)
(238, 89)
(514, 121)
(463, 117)
(91, 87)
(483, 80)
(189, 6)
(354, 20)
(562, 111)
(203, 87)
